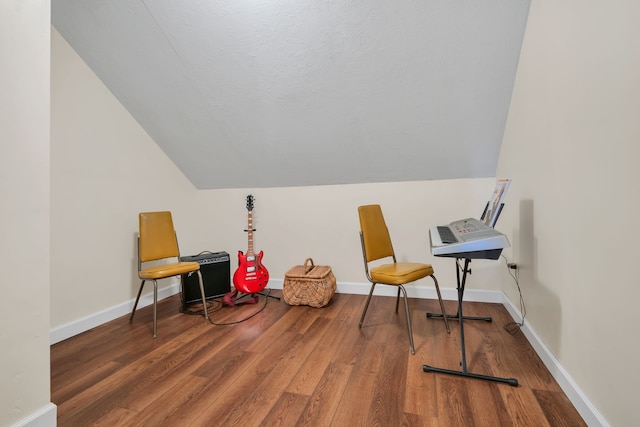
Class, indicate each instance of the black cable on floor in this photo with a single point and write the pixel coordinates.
(513, 327)
(217, 305)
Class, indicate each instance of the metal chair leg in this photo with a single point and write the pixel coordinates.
(136, 303)
(155, 308)
(444, 313)
(155, 305)
(409, 328)
(366, 305)
(397, 300)
(204, 298)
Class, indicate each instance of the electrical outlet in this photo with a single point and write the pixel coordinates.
(512, 266)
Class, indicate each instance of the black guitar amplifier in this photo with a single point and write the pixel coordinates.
(215, 268)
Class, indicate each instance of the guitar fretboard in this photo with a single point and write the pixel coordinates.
(250, 234)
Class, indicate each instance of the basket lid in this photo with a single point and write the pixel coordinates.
(309, 271)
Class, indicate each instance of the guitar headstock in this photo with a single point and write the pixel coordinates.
(249, 202)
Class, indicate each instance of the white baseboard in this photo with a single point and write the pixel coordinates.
(579, 400)
(43, 417)
(426, 291)
(76, 327)
(582, 404)
(61, 333)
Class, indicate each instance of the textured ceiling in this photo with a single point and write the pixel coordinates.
(250, 93)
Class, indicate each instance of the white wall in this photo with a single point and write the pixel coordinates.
(105, 169)
(572, 145)
(24, 211)
(302, 92)
(321, 222)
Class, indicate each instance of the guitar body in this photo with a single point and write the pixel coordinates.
(251, 276)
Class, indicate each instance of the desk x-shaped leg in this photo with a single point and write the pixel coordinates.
(464, 372)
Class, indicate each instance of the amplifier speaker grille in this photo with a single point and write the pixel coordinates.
(215, 268)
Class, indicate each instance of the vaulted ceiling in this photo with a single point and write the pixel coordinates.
(273, 93)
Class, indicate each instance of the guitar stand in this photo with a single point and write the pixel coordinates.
(459, 316)
(258, 293)
(231, 299)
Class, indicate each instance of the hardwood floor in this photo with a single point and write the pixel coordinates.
(302, 366)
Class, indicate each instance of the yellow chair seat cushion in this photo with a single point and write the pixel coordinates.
(400, 273)
(168, 270)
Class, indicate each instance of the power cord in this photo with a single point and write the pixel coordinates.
(513, 327)
(217, 305)
(196, 309)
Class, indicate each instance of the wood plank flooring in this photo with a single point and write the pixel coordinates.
(302, 366)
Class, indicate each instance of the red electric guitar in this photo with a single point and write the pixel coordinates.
(251, 276)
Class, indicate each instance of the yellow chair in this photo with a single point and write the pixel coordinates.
(158, 241)
(376, 245)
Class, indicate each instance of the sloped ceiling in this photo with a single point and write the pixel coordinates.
(272, 93)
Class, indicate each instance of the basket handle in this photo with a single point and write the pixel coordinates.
(307, 269)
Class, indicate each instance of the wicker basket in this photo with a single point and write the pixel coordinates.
(309, 284)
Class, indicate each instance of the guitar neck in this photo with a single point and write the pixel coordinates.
(250, 234)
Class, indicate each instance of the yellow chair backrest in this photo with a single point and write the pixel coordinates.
(157, 236)
(375, 234)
